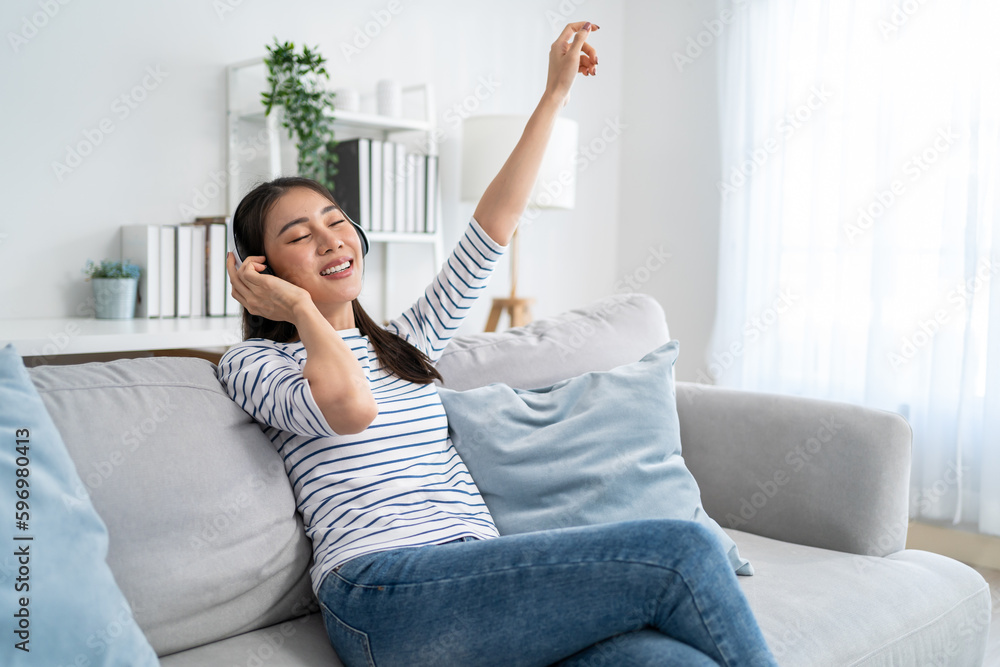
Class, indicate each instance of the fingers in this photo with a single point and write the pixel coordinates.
(252, 262)
(245, 279)
(571, 28)
(578, 40)
(579, 47)
(248, 268)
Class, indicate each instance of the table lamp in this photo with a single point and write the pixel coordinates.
(487, 142)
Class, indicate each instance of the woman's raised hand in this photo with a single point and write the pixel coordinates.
(567, 58)
(264, 294)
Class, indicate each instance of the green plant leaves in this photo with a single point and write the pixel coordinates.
(294, 84)
(109, 269)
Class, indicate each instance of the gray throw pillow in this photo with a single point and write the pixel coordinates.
(601, 447)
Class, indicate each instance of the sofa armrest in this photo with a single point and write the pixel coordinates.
(813, 472)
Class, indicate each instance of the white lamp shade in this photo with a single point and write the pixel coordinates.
(487, 142)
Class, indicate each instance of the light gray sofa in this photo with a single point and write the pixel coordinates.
(206, 544)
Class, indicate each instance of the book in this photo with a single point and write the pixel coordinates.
(198, 261)
(141, 246)
(375, 163)
(399, 185)
(214, 279)
(411, 192)
(168, 271)
(432, 193)
(219, 286)
(365, 183)
(388, 187)
(199, 268)
(420, 187)
(185, 258)
(352, 188)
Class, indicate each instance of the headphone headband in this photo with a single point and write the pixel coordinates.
(238, 254)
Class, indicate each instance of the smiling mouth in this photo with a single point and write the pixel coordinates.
(340, 268)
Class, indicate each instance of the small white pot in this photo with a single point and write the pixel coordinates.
(114, 298)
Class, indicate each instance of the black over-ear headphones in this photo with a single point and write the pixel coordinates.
(234, 246)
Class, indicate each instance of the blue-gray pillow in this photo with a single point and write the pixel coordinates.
(59, 595)
(600, 447)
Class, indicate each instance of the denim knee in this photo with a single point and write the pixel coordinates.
(639, 647)
(685, 540)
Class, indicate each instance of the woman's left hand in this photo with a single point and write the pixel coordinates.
(568, 58)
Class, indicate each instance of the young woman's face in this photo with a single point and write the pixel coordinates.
(320, 238)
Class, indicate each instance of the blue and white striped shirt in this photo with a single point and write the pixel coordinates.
(400, 482)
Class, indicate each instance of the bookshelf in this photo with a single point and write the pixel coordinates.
(79, 339)
(259, 156)
(82, 339)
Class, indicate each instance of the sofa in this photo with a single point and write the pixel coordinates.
(207, 547)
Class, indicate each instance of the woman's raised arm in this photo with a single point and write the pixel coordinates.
(505, 199)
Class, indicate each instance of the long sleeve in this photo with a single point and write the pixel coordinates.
(433, 319)
(399, 482)
(268, 384)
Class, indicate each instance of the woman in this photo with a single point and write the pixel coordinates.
(408, 566)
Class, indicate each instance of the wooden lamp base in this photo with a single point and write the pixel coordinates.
(519, 309)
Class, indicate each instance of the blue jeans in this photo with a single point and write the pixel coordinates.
(650, 592)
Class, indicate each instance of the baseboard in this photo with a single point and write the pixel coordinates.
(971, 548)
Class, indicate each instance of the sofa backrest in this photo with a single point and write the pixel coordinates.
(607, 333)
(204, 538)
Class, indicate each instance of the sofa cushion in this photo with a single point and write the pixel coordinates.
(601, 447)
(818, 607)
(814, 607)
(62, 604)
(612, 331)
(299, 642)
(204, 538)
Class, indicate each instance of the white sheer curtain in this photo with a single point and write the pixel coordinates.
(860, 232)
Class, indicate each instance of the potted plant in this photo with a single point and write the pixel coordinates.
(294, 84)
(115, 286)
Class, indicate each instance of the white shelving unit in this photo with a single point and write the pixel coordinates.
(246, 80)
(56, 336)
(44, 338)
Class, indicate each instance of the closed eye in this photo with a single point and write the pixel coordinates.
(330, 225)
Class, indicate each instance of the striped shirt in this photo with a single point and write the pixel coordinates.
(400, 482)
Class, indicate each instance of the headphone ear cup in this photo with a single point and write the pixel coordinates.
(362, 236)
(231, 243)
(361, 233)
(234, 246)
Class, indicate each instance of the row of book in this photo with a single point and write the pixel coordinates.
(182, 268)
(385, 188)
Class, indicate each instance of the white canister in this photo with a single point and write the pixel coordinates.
(115, 298)
(389, 98)
(347, 99)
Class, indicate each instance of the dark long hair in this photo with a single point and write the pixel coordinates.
(398, 356)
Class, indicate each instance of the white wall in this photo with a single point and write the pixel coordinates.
(669, 168)
(647, 183)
